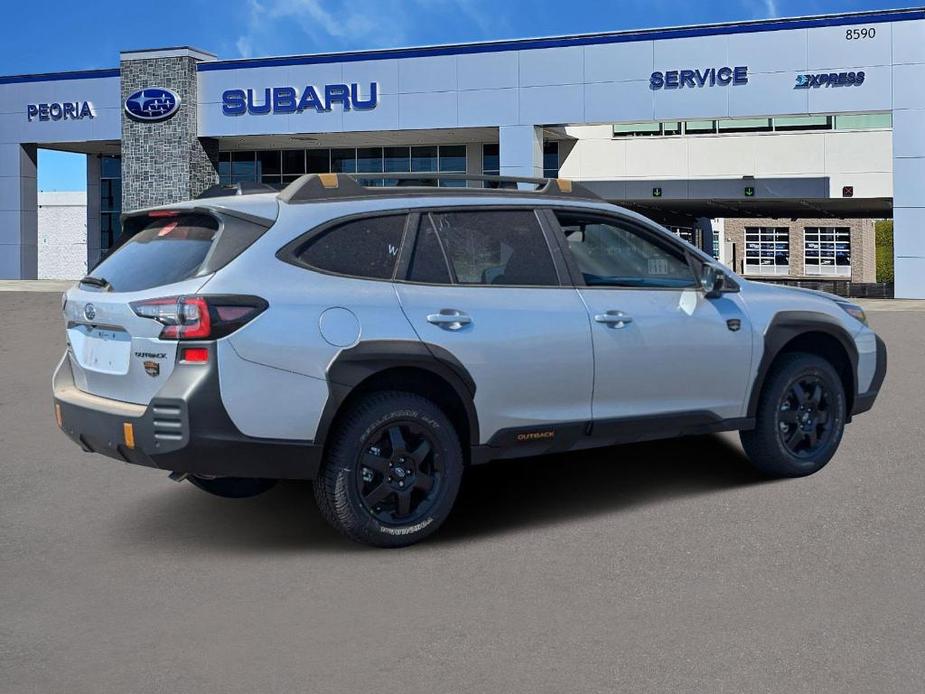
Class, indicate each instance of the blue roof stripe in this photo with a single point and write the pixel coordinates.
(56, 76)
(562, 41)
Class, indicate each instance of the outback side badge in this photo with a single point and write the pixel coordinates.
(734, 324)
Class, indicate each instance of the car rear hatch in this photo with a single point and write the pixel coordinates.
(116, 348)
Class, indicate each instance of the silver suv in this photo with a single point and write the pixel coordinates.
(378, 340)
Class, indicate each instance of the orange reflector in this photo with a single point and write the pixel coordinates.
(128, 433)
(328, 180)
(58, 416)
(565, 185)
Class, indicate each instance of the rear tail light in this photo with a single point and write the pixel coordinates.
(200, 317)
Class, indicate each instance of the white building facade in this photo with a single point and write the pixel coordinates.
(807, 126)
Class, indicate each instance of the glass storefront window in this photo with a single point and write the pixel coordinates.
(243, 167)
(698, 127)
(423, 159)
(744, 125)
(110, 201)
(293, 161)
(268, 163)
(767, 251)
(827, 251)
(550, 160)
(491, 160)
(802, 123)
(868, 121)
(636, 129)
(343, 160)
(318, 161)
(397, 159)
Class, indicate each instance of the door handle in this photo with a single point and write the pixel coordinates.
(613, 319)
(449, 319)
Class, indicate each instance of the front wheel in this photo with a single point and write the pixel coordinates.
(392, 471)
(232, 487)
(800, 418)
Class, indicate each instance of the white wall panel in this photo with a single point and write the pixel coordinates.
(829, 50)
(768, 51)
(558, 104)
(427, 110)
(664, 157)
(768, 93)
(617, 62)
(792, 154)
(487, 70)
(383, 72)
(909, 42)
(431, 74)
(875, 94)
(858, 152)
(486, 107)
(909, 183)
(911, 123)
(551, 66)
(703, 102)
(691, 53)
(612, 102)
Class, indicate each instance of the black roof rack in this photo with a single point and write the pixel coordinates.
(243, 188)
(315, 187)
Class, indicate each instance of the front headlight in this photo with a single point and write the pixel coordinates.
(854, 311)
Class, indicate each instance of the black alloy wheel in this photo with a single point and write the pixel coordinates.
(400, 473)
(392, 470)
(800, 417)
(803, 416)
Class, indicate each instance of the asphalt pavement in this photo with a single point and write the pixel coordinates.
(660, 567)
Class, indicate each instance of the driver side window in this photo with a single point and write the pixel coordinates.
(611, 254)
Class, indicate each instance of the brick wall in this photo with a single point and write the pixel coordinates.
(863, 251)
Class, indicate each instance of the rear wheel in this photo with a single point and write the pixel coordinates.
(232, 487)
(392, 470)
(800, 418)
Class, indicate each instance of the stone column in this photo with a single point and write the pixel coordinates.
(165, 161)
(93, 209)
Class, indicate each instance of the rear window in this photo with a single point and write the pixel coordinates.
(162, 250)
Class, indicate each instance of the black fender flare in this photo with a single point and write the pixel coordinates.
(355, 365)
(787, 325)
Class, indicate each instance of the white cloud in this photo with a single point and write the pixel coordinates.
(770, 8)
(333, 25)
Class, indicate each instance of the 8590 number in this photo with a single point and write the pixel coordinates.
(863, 33)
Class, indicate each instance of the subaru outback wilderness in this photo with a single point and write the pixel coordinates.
(378, 340)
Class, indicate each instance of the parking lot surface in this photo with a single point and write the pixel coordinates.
(660, 567)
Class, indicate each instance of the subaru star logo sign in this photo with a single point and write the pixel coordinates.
(152, 104)
(90, 311)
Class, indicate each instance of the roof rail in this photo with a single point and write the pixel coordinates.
(315, 187)
(221, 190)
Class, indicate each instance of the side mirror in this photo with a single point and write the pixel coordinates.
(713, 281)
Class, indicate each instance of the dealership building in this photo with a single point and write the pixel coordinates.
(771, 144)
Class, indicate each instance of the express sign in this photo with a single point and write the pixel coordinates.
(237, 102)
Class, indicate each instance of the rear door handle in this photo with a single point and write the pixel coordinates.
(613, 319)
(449, 319)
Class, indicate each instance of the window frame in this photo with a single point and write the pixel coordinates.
(755, 269)
(290, 252)
(817, 269)
(657, 236)
(419, 214)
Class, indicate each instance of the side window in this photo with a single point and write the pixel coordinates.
(611, 254)
(428, 263)
(490, 247)
(365, 247)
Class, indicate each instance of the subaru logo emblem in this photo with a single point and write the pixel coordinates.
(90, 311)
(152, 104)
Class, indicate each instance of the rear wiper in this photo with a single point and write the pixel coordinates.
(100, 282)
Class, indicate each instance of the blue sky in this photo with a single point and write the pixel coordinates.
(53, 36)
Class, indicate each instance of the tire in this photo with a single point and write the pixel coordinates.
(800, 418)
(232, 487)
(392, 470)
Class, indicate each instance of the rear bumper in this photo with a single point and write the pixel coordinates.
(185, 428)
(864, 401)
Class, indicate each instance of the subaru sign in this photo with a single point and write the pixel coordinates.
(237, 102)
(830, 79)
(706, 77)
(152, 104)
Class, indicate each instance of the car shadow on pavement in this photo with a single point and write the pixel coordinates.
(500, 497)
(531, 492)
